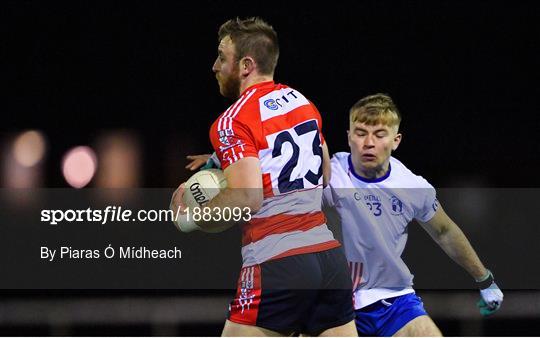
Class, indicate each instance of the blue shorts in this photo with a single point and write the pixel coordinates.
(385, 317)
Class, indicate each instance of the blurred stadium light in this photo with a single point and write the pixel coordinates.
(29, 148)
(22, 160)
(119, 158)
(79, 166)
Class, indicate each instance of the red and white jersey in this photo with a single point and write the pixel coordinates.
(280, 127)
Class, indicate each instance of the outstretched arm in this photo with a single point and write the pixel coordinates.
(453, 241)
(456, 245)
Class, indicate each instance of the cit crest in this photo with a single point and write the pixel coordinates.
(225, 136)
(397, 206)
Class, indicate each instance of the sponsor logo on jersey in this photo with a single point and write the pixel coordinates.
(397, 206)
(366, 197)
(280, 102)
(372, 198)
(271, 104)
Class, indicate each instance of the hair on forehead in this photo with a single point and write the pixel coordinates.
(375, 109)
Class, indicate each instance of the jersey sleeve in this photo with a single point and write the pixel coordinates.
(328, 199)
(429, 204)
(232, 140)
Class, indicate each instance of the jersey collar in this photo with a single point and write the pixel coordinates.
(258, 85)
(368, 180)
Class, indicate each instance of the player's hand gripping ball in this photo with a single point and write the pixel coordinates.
(200, 188)
(203, 186)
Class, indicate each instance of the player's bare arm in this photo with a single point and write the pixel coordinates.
(244, 190)
(327, 168)
(453, 241)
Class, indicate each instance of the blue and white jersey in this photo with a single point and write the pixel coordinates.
(374, 216)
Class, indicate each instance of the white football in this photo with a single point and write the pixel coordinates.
(203, 186)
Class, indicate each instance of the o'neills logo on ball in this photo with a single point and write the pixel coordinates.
(197, 193)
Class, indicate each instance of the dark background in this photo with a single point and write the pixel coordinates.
(463, 73)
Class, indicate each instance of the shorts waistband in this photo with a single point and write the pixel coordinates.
(378, 304)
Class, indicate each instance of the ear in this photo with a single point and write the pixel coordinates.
(397, 141)
(349, 137)
(247, 65)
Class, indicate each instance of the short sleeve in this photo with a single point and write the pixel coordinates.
(232, 141)
(328, 199)
(429, 205)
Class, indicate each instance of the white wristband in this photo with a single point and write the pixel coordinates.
(215, 159)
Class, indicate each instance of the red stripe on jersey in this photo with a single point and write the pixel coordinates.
(225, 121)
(267, 185)
(356, 269)
(244, 308)
(258, 228)
(309, 249)
(231, 138)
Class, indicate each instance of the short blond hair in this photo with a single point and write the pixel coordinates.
(375, 109)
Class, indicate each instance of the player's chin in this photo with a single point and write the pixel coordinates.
(221, 89)
(369, 163)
